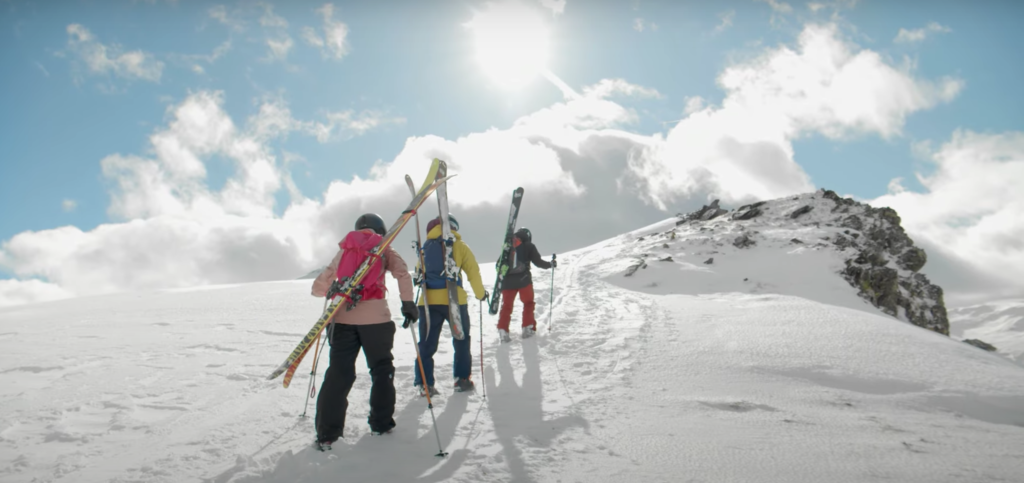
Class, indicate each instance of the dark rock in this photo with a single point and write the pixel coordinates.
(707, 212)
(831, 195)
(853, 222)
(743, 241)
(664, 245)
(636, 266)
(843, 243)
(709, 261)
(913, 259)
(877, 284)
(796, 241)
(748, 214)
(803, 210)
(666, 259)
(981, 344)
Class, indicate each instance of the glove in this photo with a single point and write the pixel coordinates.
(554, 263)
(487, 296)
(410, 311)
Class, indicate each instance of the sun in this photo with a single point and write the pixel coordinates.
(511, 43)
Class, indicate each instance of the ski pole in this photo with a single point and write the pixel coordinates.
(551, 300)
(482, 380)
(312, 372)
(426, 389)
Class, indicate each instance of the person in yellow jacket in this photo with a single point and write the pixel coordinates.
(437, 303)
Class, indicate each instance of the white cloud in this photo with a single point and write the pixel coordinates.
(334, 42)
(110, 59)
(271, 19)
(279, 48)
(743, 149)
(607, 87)
(195, 61)
(557, 7)
(727, 18)
(638, 24)
(220, 13)
(69, 205)
(777, 6)
(918, 35)
(18, 292)
(971, 210)
(42, 69)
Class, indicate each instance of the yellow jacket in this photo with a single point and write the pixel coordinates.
(466, 262)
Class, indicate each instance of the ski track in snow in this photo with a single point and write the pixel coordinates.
(626, 386)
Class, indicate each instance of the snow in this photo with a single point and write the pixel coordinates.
(999, 323)
(680, 372)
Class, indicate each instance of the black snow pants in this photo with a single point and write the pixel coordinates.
(376, 341)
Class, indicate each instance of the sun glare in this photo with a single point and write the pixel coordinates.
(511, 43)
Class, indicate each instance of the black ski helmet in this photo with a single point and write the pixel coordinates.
(524, 235)
(373, 222)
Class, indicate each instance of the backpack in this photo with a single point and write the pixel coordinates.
(434, 258)
(355, 248)
(518, 257)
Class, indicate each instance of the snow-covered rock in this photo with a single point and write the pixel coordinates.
(863, 245)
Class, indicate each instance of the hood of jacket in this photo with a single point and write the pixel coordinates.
(436, 233)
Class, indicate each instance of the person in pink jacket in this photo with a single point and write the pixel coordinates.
(367, 326)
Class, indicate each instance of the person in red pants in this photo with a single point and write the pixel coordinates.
(519, 282)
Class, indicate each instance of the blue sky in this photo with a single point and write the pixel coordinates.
(407, 71)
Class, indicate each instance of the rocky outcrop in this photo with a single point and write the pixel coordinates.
(707, 212)
(885, 265)
(981, 344)
(748, 212)
(879, 260)
(743, 241)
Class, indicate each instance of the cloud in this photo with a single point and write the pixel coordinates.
(727, 18)
(42, 69)
(777, 6)
(638, 24)
(334, 43)
(69, 205)
(270, 19)
(18, 292)
(279, 48)
(918, 35)
(743, 149)
(586, 176)
(195, 61)
(104, 60)
(971, 211)
(557, 7)
(607, 87)
(220, 13)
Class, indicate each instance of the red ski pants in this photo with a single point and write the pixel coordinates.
(508, 300)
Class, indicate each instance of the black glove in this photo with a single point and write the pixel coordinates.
(487, 296)
(554, 263)
(410, 312)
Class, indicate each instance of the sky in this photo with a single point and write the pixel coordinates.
(154, 144)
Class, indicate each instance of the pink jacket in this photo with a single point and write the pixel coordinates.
(367, 312)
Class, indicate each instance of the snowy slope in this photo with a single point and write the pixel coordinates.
(998, 323)
(680, 372)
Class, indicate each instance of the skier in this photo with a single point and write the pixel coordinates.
(367, 326)
(519, 282)
(437, 304)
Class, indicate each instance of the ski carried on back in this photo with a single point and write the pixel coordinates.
(502, 265)
(451, 270)
(354, 283)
